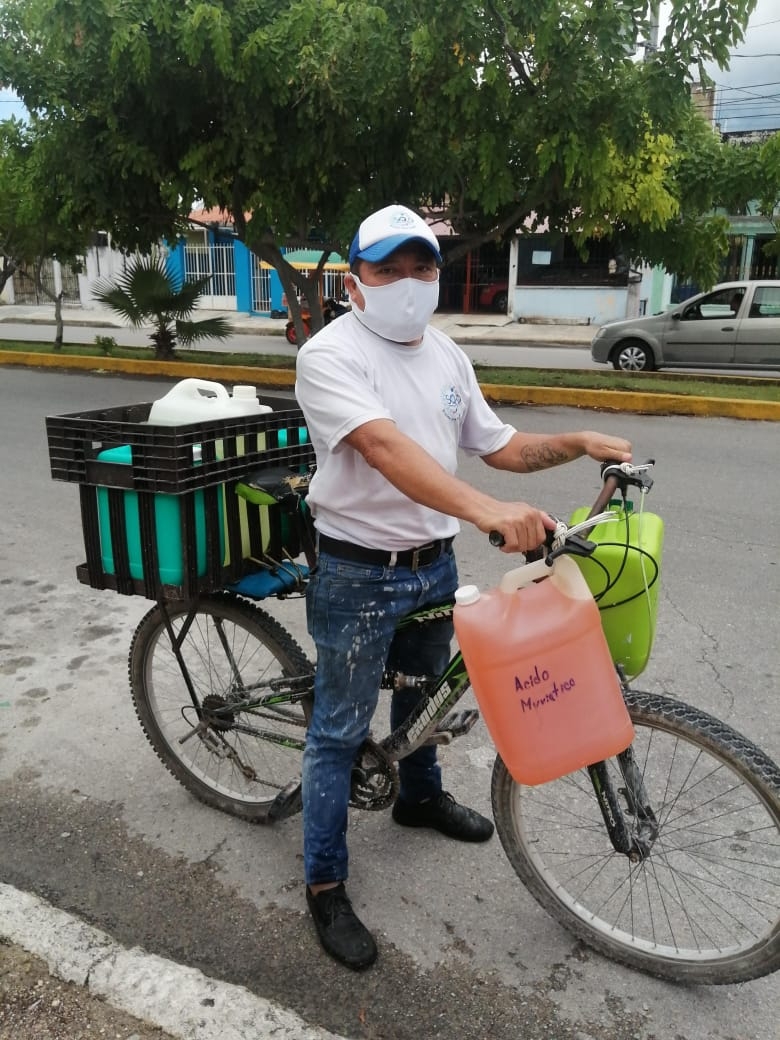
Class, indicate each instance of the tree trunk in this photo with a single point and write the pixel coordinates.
(56, 299)
(58, 323)
(7, 271)
(164, 340)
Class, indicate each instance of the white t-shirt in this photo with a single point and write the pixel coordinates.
(347, 376)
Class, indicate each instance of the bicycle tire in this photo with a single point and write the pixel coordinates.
(703, 907)
(241, 771)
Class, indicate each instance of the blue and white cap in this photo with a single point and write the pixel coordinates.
(386, 230)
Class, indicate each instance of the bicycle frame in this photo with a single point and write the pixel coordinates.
(433, 721)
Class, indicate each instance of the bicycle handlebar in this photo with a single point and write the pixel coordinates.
(617, 476)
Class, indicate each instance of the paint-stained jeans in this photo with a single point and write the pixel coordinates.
(352, 611)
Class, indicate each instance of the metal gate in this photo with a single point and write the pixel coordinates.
(54, 277)
(261, 286)
(215, 260)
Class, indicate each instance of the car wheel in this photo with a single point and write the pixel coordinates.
(633, 356)
(500, 301)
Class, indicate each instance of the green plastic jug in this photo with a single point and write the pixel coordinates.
(624, 576)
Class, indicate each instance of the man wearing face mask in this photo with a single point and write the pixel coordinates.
(388, 402)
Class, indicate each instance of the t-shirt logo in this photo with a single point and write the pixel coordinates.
(452, 402)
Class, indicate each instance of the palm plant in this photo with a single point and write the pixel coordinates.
(150, 292)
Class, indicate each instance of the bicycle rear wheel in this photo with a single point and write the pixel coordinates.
(233, 739)
(703, 907)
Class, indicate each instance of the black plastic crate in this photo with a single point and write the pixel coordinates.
(165, 522)
(162, 456)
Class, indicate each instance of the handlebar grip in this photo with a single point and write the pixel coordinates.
(497, 539)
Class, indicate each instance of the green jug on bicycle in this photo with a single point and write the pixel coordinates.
(624, 576)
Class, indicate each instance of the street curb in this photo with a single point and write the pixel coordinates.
(181, 1001)
(633, 401)
(276, 378)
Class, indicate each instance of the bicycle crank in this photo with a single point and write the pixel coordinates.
(374, 778)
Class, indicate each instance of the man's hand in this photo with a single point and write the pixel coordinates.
(601, 447)
(522, 526)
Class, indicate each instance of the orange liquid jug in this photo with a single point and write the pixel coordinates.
(541, 671)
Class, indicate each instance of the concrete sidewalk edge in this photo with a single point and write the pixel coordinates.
(182, 1001)
(276, 378)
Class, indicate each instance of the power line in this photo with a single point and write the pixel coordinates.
(750, 86)
(760, 25)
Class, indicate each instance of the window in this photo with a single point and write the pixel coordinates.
(766, 302)
(724, 303)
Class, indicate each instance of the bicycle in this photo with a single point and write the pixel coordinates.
(664, 858)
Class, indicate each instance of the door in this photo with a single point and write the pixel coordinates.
(706, 331)
(758, 338)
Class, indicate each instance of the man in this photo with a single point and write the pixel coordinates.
(388, 402)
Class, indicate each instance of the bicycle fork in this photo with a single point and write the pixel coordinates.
(634, 841)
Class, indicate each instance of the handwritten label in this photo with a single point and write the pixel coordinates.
(542, 693)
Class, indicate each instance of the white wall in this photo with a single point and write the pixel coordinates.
(586, 305)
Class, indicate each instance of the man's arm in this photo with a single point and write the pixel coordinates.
(419, 476)
(528, 452)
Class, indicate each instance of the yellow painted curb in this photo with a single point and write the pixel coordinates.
(600, 400)
(129, 366)
(632, 401)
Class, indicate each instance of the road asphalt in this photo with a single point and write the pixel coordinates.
(106, 982)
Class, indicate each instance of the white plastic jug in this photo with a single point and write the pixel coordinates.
(193, 400)
(243, 401)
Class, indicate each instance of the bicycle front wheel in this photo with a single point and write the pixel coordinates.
(703, 906)
(213, 708)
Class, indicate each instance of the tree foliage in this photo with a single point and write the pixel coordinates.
(300, 116)
(36, 220)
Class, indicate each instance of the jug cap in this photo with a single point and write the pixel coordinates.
(245, 392)
(466, 595)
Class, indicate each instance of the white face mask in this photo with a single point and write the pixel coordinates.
(400, 310)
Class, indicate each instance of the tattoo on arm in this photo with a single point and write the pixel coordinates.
(542, 456)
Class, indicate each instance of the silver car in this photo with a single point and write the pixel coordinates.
(736, 323)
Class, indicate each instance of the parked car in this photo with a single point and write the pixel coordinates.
(736, 323)
(495, 297)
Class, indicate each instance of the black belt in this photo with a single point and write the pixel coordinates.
(411, 558)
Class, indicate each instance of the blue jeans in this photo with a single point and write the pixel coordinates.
(352, 612)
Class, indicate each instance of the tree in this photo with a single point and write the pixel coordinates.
(300, 117)
(151, 292)
(35, 218)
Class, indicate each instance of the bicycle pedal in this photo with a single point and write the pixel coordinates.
(287, 802)
(454, 725)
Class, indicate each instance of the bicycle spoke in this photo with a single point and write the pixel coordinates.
(705, 899)
(241, 744)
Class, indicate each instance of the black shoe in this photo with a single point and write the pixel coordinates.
(341, 933)
(443, 814)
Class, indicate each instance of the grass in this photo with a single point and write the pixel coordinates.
(746, 388)
(199, 356)
(719, 385)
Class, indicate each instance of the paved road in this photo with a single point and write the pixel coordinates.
(91, 821)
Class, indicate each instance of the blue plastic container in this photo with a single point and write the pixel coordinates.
(167, 524)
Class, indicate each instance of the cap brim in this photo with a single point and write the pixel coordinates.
(381, 250)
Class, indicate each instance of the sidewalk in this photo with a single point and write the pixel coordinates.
(463, 328)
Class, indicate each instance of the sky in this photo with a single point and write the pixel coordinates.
(748, 92)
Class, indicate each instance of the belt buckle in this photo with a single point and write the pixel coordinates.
(417, 553)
